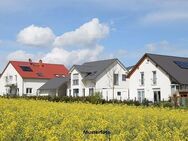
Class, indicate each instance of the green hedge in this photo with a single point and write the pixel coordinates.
(94, 99)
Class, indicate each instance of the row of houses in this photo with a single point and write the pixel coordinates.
(154, 77)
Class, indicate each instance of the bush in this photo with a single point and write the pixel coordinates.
(167, 104)
(95, 98)
(146, 102)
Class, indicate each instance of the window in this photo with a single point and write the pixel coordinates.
(118, 93)
(123, 77)
(116, 79)
(6, 78)
(157, 95)
(75, 79)
(83, 91)
(26, 68)
(28, 90)
(154, 77)
(10, 77)
(75, 82)
(141, 96)
(91, 91)
(142, 78)
(75, 92)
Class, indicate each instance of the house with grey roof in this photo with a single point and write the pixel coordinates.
(105, 76)
(54, 87)
(158, 77)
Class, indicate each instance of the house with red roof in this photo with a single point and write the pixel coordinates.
(24, 78)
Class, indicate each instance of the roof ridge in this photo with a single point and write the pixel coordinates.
(166, 55)
(101, 60)
(36, 63)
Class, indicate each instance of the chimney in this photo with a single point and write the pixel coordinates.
(40, 63)
(30, 61)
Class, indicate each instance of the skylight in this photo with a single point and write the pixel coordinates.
(183, 65)
(40, 74)
(26, 68)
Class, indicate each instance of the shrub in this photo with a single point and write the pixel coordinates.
(146, 102)
(95, 98)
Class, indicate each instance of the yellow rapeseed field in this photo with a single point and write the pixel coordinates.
(41, 120)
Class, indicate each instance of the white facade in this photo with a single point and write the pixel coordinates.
(12, 83)
(103, 83)
(149, 81)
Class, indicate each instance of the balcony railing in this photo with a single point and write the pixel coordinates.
(10, 83)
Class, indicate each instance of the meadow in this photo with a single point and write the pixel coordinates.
(22, 119)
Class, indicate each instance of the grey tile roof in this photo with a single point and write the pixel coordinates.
(167, 64)
(94, 69)
(54, 83)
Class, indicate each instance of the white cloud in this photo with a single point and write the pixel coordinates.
(20, 55)
(158, 46)
(83, 42)
(166, 48)
(86, 35)
(60, 55)
(36, 36)
(165, 16)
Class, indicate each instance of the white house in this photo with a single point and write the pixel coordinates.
(24, 78)
(105, 76)
(157, 77)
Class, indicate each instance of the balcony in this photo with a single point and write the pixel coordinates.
(9, 81)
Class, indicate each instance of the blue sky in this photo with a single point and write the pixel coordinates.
(75, 31)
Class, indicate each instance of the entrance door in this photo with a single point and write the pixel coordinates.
(75, 92)
(157, 96)
(141, 96)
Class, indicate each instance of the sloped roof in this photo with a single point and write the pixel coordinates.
(129, 68)
(39, 70)
(94, 69)
(54, 83)
(167, 64)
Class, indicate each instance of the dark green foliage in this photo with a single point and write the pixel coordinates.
(96, 98)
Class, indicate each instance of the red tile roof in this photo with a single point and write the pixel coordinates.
(40, 70)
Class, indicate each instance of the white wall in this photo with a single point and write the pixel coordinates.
(10, 71)
(163, 81)
(35, 84)
(104, 83)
